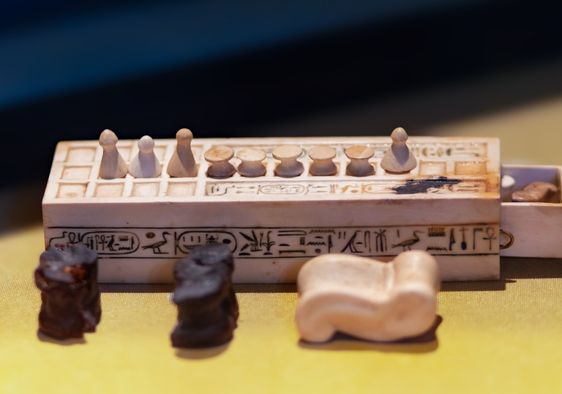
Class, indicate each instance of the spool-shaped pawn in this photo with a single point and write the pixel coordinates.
(112, 164)
(218, 157)
(145, 164)
(398, 159)
(322, 161)
(359, 156)
(289, 166)
(251, 162)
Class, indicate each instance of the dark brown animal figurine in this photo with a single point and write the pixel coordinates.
(69, 292)
(207, 305)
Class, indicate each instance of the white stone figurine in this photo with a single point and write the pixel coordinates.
(182, 163)
(112, 164)
(145, 164)
(398, 159)
(367, 298)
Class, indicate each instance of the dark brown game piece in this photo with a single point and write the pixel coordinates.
(207, 305)
(69, 292)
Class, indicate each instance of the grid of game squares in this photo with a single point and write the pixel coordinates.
(78, 166)
(76, 170)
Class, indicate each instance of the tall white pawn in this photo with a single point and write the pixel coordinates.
(182, 163)
(145, 164)
(398, 159)
(112, 164)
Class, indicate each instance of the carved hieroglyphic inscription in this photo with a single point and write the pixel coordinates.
(289, 242)
(295, 188)
(440, 150)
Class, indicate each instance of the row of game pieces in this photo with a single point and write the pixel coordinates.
(145, 164)
(397, 159)
(208, 309)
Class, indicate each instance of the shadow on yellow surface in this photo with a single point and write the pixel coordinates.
(528, 268)
(512, 269)
(59, 342)
(198, 354)
(485, 285)
(424, 343)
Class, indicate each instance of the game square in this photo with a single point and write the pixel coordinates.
(180, 189)
(433, 168)
(471, 167)
(146, 189)
(71, 190)
(76, 172)
(113, 189)
(81, 154)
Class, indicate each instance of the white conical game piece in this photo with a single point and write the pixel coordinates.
(182, 163)
(112, 164)
(145, 164)
(398, 159)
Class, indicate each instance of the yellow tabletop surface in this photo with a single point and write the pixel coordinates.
(502, 336)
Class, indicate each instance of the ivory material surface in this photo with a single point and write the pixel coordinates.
(322, 161)
(145, 164)
(532, 229)
(359, 164)
(398, 158)
(112, 164)
(289, 166)
(220, 167)
(141, 226)
(182, 162)
(366, 298)
(251, 162)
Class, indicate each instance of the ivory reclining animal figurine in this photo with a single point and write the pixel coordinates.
(366, 298)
